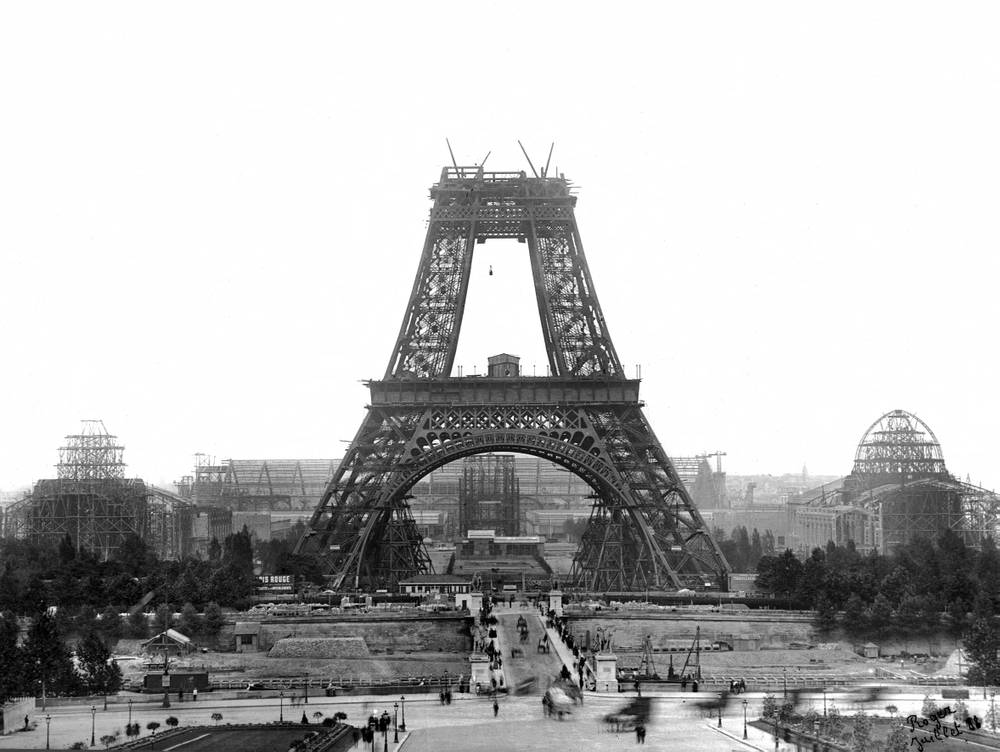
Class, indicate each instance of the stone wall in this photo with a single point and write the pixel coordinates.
(320, 647)
(381, 636)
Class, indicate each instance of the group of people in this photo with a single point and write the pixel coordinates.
(737, 687)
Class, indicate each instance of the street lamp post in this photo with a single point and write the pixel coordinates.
(281, 707)
(720, 715)
(744, 718)
(402, 725)
(824, 702)
(784, 681)
(93, 716)
(775, 731)
(307, 688)
(395, 723)
(41, 671)
(130, 711)
(993, 711)
(48, 720)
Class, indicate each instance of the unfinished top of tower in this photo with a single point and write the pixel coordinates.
(92, 454)
(459, 183)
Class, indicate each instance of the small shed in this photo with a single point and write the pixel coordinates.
(473, 602)
(169, 641)
(247, 636)
(871, 650)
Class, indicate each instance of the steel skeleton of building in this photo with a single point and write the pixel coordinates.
(901, 481)
(489, 495)
(644, 531)
(93, 502)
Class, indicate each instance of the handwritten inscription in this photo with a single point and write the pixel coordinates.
(931, 729)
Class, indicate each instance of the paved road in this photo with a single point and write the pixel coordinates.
(466, 724)
(532, 663)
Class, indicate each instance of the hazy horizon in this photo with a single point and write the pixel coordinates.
(211, 215)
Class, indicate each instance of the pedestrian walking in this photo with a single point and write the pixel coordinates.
(496, 707)
(195, 693)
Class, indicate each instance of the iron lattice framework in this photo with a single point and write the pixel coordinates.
(899, 444)
(489, 495)
(644, 530)
(93, 502)
(901, 481)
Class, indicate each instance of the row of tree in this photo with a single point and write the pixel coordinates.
(34, 576)
(903, 593)
(743, 550)
(42, 661)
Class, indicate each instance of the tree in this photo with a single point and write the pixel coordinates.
(769, 708)
(164, 618)
(46, 658)
(172, 721)
(136, 557)
(216, 717)
(214, 550)
(826, 614)
(861, 737)
(854, 615)
(982, 646)
(108, 739)
(138, 627)
(237, 551)
(897, 740)
(10, 658)
(908, 617)
(110, 623)
(99, 675)
(879, 615)
(132, 729)
(958, 616)
(214, 619)
(67, 551)
(767, 543)
(86, 618)
(988, 570)
(190, 622)
(756, 549)
(929, 707)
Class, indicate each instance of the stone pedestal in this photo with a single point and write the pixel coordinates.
(555, 601)
(480, 668)
(605, 670)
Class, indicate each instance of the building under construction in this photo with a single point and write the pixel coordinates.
(92, 501)
(258, 485)
(489, 495)
(899, 489)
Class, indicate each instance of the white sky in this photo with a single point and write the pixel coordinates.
(211, 215)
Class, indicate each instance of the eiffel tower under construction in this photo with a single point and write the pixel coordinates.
(644, 531)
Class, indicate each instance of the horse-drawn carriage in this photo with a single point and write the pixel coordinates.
(626, 718)
(556, 702)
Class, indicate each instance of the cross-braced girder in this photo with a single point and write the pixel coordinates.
(586, 416)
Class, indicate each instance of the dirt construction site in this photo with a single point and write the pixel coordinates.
(404, 644)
